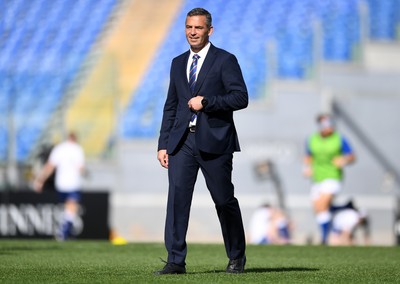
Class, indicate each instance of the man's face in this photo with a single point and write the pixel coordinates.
(326, 126)
(197, 32)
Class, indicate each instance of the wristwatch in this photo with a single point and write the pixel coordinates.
(204, 102)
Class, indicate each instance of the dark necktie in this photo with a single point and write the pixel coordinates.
(192, 84)
(192, 73)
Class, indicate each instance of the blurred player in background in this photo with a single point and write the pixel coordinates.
(269, 225)
(327, 153)
(344, 225)
(69, 160)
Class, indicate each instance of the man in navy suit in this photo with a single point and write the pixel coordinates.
(198, 132)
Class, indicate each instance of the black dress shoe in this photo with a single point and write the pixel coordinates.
(171, 268)
(236, 265)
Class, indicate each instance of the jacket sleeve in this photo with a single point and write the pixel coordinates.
(169, 113)
(236, 96)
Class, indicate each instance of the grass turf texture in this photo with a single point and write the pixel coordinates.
(23, 261)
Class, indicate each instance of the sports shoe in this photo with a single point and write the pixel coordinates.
(171, 268)
(236, 265)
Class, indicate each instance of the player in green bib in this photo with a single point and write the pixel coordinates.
(327, 153)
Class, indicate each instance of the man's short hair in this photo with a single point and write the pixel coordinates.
(322, 116)
(72, 136)
(201, 12)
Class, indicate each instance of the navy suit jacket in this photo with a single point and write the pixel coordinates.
(220, 80)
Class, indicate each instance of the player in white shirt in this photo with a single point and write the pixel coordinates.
(68, 159)
(269, 225)
(344, 224)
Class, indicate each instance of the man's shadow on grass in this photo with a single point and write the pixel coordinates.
(269, 270)
(279, 269)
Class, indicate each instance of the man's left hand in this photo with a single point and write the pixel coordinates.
(195, 103)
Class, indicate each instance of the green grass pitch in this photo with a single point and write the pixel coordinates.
(40, 261)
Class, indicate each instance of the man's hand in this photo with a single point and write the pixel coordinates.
(38, 185)
(307, 171)
(162, 156)
(47, 170)
(342, 161)
(195, 103)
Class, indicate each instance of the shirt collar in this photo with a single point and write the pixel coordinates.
(202, 53)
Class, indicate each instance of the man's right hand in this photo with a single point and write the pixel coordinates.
(38, 185)
(162, 156)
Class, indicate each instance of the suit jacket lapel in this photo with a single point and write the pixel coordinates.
(182, 73)
(207, 64)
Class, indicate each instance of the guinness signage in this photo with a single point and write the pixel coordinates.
(25, 214)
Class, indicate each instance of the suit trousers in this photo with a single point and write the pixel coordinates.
(183, 167)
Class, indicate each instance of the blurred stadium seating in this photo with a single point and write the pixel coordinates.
(384, 18)
(45, 44)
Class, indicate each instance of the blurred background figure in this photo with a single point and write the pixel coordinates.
(69, 160)
(327, 153)
(345, 223)
(269, 225)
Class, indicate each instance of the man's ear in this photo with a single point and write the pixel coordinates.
(211, 30)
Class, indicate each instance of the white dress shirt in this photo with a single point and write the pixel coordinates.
(202, 53)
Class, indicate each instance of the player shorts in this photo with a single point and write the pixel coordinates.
(345, 220)
(73, 195)
(331, 186)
